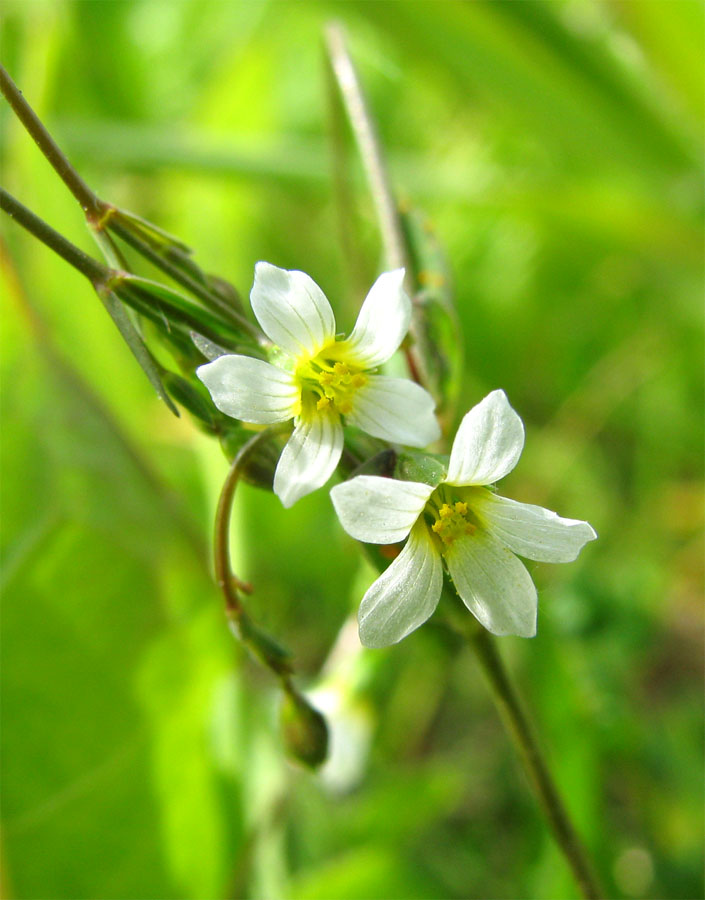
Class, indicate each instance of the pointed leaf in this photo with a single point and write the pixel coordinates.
(118, 314)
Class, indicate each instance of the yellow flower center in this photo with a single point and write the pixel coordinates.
(332, 384)
(450, 520)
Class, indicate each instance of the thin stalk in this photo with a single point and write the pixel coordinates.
(345, 206)
(304, 729)
(95, 272)
(368, 143)
(396, 253)
(517, 724)
(263, 647)
(224, 576)
(91, 205)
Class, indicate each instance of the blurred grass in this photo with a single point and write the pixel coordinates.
(555, 147)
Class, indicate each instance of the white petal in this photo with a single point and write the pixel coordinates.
(493, 584)
(488, 443)
(379, 510)
(292, 310)
(395, 409)
(532, 531)
(381, 324)
(250, 389)
(310, 456)
(405, 594)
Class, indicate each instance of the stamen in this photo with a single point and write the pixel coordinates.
(333, 384)
(451, 521)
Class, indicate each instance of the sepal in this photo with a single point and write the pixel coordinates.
(413, 465)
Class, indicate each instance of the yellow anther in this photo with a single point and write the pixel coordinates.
(332, 384)
(451, 522)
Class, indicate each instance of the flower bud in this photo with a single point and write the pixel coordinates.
(304, 730)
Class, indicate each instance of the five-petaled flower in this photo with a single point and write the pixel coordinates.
(462, 523)
(317, 379)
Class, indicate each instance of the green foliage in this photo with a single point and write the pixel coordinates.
(555, 148)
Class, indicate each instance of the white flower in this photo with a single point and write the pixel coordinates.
(318, 379)
(460, 523)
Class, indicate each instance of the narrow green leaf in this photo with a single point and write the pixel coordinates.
(153, 234)
(175, 305)
(118, 314)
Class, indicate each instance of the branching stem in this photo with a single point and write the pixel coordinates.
(182, 278)
(95, 272)
(101, 215)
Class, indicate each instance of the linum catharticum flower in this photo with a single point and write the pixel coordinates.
(318, 380)
(462, 524)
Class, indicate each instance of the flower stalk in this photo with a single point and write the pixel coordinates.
(303, 728)
(518, 727)
(400, 250)
(363, 127)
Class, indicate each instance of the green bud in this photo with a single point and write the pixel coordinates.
(304, 730)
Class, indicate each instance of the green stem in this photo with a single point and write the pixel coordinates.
(95, 272)
(365, 133)
(91, 205)
(517, 724)
(396, 252)
(304, 729)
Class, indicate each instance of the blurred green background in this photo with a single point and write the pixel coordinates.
(555, 147)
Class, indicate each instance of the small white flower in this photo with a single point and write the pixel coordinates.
(460, 523)
(319, 379)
